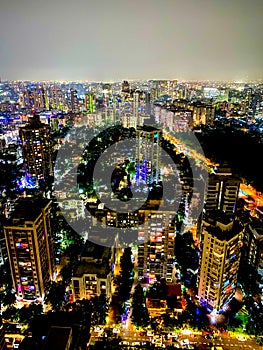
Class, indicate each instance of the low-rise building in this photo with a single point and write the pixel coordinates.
(93, 276)
(58, 338)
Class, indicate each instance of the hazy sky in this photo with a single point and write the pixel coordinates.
(117, 39)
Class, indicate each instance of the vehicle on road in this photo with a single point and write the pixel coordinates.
(208, 336)
(241, 338)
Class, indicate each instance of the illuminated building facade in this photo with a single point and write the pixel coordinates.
(222, 191)
(3, 254)
(74, 101)
(221, 251)
(253, 247)
(147, 101)
(93, 276)
(136, 105)
(36, 148)
(156, 245)
(91, 280)
(175, 119)
(148, 148)
(33, 98)
(90, 102)
(58, 100)
(163, 87)
(30, 248)
(129, 121)
(203, 113)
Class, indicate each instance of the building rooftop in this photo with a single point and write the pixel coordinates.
(222, 225)
(147, 128)
(214, 216)
(95, 251)
(34, 122)
(225, 232)
(94, 260)
(222, 170)
(174, 289)
(58, 338)
(26, 209)
(100, 269)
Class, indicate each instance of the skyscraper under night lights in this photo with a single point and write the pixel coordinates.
(221, 251)
(36, 149)
(148, 141)
(30, 248)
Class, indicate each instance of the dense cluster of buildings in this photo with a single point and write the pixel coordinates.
(26, 239)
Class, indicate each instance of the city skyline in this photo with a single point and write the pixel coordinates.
(119, 40)
(131, 208)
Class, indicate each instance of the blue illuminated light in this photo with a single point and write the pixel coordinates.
(226, 283)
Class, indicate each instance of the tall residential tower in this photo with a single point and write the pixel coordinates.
(36, 149)
(148, 153)
(221, 251)
(30, 248)
(222, 191)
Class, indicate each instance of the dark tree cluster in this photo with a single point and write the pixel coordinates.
(67, 243)
(255, 316)
(125, 280)
(187, 256)
(158, 290)
(140, 314)
(81, 315)
(23, 315)
(241, 150)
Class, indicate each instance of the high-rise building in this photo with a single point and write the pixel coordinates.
(2, 337)
(39, 98)
(58, 100)
(148, 148)
(107, 95)
(125, 86)
(33, 98)
(147, 101)
(36, 148)
(156, 251)
(163, 87)
(129, 121)
(203, 113)
(74, 101)
(136, 105)
(221, 251)
(222, 191)
(30, 247)
(3, 253)
(253, 247)
(90, 102)
(174, 119)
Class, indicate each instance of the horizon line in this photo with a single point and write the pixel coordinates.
(237, 81)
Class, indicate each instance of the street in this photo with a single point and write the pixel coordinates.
(131, 337)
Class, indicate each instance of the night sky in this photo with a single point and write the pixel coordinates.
(138, 39)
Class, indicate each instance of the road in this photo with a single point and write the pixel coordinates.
(226, 342)
(248, 191)
(189, 151)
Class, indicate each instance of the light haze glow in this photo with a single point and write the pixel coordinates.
(139, 39)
